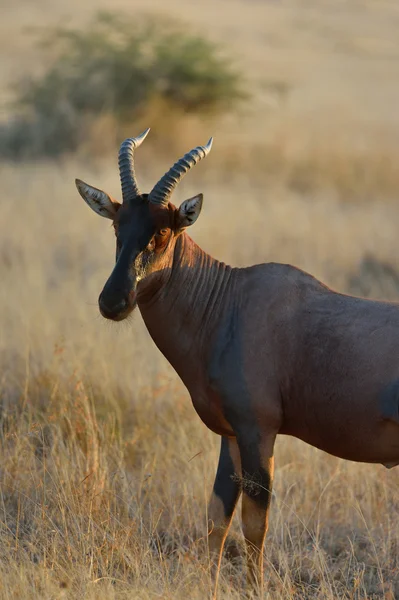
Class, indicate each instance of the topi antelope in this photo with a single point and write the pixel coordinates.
(262, 350)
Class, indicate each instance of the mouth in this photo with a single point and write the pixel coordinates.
(116, 316)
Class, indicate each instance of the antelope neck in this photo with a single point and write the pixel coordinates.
(193, 294)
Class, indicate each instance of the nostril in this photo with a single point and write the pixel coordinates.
(122, 304)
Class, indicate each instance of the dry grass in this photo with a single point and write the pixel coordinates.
(116, 508)
(106, 469)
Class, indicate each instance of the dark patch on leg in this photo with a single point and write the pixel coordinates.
(226, 486)
(389, 402)
(256, 479)
(257, 486)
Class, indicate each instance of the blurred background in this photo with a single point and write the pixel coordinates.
(99, 495)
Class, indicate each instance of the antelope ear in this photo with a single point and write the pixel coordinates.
(189, 211)
(98, 200)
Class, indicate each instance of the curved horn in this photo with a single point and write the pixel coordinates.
(162, 191)
(130, 189)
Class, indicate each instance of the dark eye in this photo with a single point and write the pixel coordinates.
(163, 232)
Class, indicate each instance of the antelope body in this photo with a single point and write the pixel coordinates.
(262, 350)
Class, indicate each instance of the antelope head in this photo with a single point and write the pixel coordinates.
(146, 225)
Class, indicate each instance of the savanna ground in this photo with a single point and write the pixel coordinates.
(106, 469)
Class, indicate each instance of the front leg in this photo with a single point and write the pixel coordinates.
(257, 477)
(225, 494)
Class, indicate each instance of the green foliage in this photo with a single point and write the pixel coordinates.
(119, 67)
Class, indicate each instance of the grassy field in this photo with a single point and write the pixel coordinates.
(106, 468)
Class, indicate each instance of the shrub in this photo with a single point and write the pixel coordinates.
(118, 67)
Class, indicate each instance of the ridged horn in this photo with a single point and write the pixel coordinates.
(162, 191)
(130, 189)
